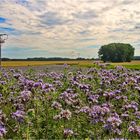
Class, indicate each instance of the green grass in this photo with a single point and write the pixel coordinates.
(135, 67)
(132, 65)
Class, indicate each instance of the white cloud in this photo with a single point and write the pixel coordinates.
(63, 26)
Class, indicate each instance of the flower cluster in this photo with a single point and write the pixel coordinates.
(133, 128)
(113, 123)
(19, 115)
(69, 97)
(2, 124)
(95, 103)
(68, 132)
(65, 114)
(56, 105)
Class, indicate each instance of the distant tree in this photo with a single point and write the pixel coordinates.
(136, 58)
(116, 52)
(80, 58)
(5, 59)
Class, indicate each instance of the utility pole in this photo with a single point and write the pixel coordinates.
(3, 37)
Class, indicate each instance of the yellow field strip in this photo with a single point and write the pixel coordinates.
(127, 63)
(39, 63)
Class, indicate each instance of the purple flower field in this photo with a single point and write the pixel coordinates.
(97, 103)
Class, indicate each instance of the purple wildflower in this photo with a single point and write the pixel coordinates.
(37, 84)
(66, 114)
(2, 131)
(137, 114)
(114, 121)
(93, 98)
(131, 129)
(134, 129)
(85, 109)
(25, 95)
(17, 75)
(18, 115)
(68, 132)
(56, 105)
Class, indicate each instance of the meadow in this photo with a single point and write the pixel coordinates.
(98, 103)
(82, 63)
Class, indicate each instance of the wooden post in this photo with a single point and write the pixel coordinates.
(3, 37)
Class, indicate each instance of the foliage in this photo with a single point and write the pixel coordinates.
(116, 52)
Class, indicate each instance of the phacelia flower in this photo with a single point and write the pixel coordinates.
(68, 132)
(2, 131)
(18, 115)
(25, 95)
(66, 114)
(56, 105)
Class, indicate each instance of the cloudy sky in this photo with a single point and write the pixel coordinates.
(67, 28)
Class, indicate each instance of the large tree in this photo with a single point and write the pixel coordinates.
(116, 52)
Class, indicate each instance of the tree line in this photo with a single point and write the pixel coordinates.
(46, 59)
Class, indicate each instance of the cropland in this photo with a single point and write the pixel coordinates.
(69, 101)
(82, 63)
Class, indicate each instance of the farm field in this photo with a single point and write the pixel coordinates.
(129, 65)
(65, 70)
(38, 63)
(95, 103)
(84, 63)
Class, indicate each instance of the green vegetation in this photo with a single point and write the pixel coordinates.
(99, 103)
(116, 52)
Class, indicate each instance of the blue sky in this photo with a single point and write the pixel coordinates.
(67, 28)
(2, 20)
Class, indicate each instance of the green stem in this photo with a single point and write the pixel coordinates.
(46, 134)
(36, 119)
(27, 135)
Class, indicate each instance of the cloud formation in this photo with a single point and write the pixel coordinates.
(68, 27)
